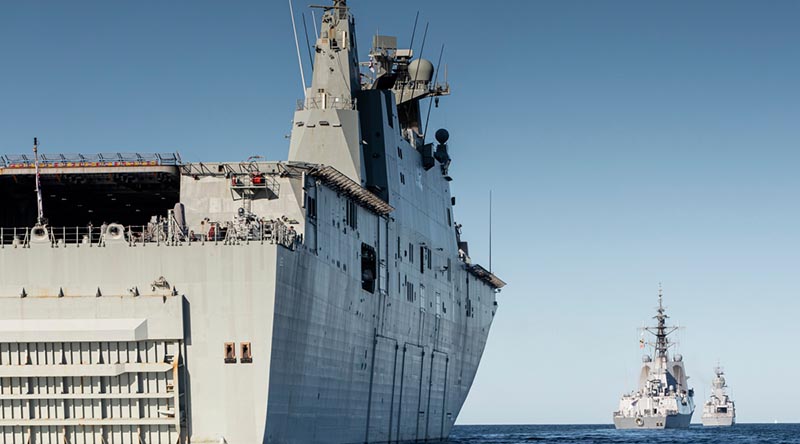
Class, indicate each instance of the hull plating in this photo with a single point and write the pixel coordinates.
(679, 421)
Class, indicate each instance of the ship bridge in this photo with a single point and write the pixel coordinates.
(79, 189)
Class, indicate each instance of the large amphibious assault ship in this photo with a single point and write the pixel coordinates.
(326, 299)
(663, 399)
(719, 410)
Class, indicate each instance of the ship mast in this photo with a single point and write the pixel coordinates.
(39, 206)
(327, 127)
(661, 330)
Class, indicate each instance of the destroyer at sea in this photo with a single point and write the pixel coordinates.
(663, 399)
(326, 299)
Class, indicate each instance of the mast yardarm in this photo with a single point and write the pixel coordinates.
(661, 330)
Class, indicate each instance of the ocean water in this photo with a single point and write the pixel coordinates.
(601, 434)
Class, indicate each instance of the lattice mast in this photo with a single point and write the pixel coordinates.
(661, 331)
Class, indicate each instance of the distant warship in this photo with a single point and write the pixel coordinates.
(663, 399)
(719, 410)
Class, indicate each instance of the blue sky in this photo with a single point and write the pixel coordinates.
(627, 143)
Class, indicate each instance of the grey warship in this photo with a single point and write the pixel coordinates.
(719, 410)
(663, 399)
(329, 298)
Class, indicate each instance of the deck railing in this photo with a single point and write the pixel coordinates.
(230, 233)
(91, 160)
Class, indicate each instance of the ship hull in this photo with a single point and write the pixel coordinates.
(678, 421)
(330, 363)
(334, 380)
(718, 420)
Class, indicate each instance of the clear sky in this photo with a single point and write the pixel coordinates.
(627, 143)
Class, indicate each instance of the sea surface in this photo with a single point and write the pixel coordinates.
(601, 434)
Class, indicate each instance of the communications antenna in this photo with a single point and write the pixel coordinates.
(39, 207)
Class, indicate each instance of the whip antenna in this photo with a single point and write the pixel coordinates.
(411, 47)
(414, 31)
(297, 45)
(421, 51)
(430, 102)
(308, 44)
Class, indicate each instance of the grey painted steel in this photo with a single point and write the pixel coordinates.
(653, 422)
(328, 299)
(663, 398)
(718, 420)
(91, 170)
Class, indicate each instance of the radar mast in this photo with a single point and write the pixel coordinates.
(661, 331)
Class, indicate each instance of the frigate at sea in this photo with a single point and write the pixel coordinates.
(329, 298)
(719, 410)
(663, 399)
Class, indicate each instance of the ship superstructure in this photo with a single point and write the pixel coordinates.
(663, 398)
(326, 299)
(720, 409)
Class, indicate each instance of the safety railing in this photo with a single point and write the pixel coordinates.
(229, 233)
(91, 160)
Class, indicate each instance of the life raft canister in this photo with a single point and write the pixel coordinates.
(114, 232)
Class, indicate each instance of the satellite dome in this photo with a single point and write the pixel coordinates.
(442, 136)
(421, 70)
(678, 358)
